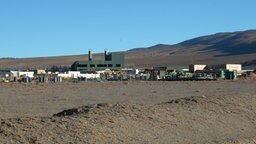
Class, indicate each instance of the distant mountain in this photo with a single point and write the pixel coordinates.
(7, 58)
(229, 47)
(220, 48)
(236, 43)
(233, 43)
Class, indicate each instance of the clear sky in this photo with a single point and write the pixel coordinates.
(32, 28)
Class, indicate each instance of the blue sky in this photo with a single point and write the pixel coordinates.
(32, 28)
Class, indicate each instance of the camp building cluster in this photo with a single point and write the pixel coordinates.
(112, 68)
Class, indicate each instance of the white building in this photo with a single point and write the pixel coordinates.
(22, 74)
(74, 74)
(230, 67)
(195, 67)
(64, 75)
(234, 67)
(77, 74)
(90, 76)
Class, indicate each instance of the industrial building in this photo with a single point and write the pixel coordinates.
(111, 61)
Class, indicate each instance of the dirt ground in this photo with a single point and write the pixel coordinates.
(133, 112)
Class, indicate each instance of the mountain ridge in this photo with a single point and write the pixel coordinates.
(218, 48)
(217, 38)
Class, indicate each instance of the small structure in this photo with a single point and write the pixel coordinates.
(22, 74)
(237, 68)
(89, 76)
(230, 67)
(74, 74)
(195, 67)
(5, 76)
(156, 73)
(28, 74)
(42, 79)
(40, 71)
(234, 67)
(78, 75)
(57, 79)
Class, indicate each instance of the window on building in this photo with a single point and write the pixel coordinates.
(83, 65)
(118, 65)
(110, 65)
(92, 65)
(99, 65)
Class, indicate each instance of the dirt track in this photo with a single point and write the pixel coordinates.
(146, 112)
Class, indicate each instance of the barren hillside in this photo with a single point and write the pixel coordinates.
(232, 47)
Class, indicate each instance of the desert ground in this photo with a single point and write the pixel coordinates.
(129, 112)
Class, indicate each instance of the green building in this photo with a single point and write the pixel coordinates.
(111, 61)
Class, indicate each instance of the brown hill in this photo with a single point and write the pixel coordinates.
(235, 47)
(232, 47)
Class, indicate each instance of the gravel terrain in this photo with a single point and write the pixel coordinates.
(129, 112)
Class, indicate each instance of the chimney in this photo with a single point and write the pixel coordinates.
(105, 55)
(89, 55)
